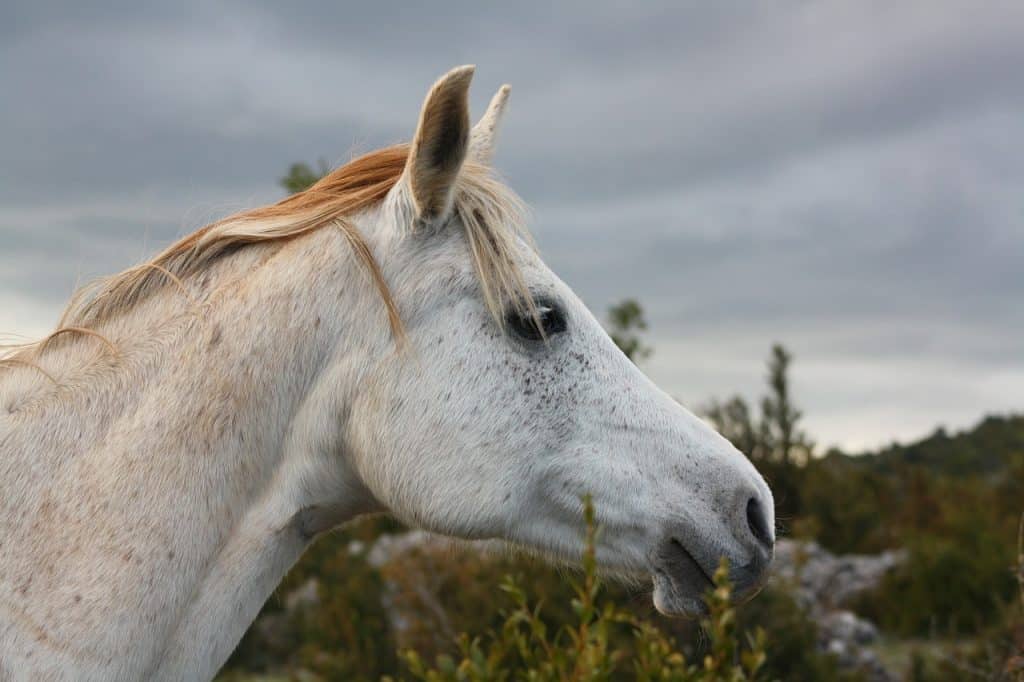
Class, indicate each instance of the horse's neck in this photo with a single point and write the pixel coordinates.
(149, 507)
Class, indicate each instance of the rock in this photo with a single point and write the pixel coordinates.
(826, 580)
(864, 661)
(848, 627)
(305, 595)
(388, 547)
(822, 582)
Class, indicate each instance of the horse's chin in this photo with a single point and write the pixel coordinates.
(676, 599)
(680, 582)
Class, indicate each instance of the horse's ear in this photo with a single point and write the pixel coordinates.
(485, 132)
(440, 145)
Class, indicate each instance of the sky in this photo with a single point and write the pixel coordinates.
(841, 177)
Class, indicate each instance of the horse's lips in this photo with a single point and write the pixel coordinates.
(679, 582)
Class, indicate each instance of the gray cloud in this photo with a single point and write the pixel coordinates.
(843, 177)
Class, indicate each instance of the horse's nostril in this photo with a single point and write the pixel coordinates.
(758, 524)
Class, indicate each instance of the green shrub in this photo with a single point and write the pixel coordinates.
(525, 648)
(946, 586)
(792, 639)
(582, 628)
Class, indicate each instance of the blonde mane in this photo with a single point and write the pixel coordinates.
(490, 212)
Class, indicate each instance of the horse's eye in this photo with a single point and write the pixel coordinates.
(551, 321)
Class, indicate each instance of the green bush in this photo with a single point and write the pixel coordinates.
(954, 584)
(435, 593)
(791, 638)
(525, 648)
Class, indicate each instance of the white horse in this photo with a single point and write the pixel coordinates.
(388, 340)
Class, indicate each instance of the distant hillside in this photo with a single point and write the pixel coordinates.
(986, 449)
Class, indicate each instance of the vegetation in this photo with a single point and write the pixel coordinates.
(448, 624)
(952, 501)
(301, 176)
(626, 322)
(777, 436)
(586, 647)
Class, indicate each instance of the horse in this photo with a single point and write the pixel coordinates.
(388, 340)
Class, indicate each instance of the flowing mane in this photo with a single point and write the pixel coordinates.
(492, 215)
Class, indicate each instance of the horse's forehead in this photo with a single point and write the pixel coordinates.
(447, 256)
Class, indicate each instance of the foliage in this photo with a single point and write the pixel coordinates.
(776, 436)
(774, 441)
(981, 451)
(524, 648)
(997, 655)
(792, 640)
(950, 500)
(946, 586)
(462, 585)
(626, 321)
(734, 420)
(958, 530)
(839, 505)
(781, 438)
(420, 599)
(439, 592)
(301, 176)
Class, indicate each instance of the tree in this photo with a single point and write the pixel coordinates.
(776, 436)
(301, 176)
(780, 436)
(733, 420)
(625, 321)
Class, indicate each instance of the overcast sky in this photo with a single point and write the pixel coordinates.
(844, 177)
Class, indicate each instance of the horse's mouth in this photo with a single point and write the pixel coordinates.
(680, 581)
